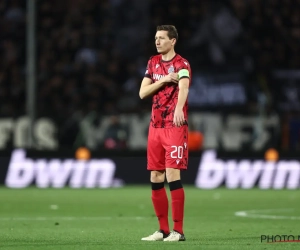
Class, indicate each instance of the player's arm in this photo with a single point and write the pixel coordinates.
(183, 84)
(183, 92)
(148, 88)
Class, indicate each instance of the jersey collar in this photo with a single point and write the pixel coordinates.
(168, 60)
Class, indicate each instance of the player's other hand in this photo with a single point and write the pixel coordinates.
(171, 77)
(178, 119)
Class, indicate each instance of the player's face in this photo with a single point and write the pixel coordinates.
(162, 42)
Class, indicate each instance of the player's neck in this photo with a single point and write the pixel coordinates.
(168, 56)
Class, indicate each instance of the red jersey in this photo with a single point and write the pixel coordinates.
(165, 100)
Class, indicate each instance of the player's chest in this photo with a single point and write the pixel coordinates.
(164, 68)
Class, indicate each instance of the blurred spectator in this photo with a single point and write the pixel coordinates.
(219, 31)
(116, 135)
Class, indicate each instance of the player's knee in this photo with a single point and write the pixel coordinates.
(172, 174)
(157, 176)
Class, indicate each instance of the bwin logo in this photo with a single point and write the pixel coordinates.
(157, 77)
(23, 172)
(245, 173)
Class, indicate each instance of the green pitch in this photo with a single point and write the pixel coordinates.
(118, 218)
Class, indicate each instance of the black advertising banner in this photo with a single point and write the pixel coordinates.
(207, 170)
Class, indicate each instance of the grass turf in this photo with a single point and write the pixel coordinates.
(118, 218)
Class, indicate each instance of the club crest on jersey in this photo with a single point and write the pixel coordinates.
(171, 69)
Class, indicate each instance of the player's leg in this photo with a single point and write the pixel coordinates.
(178, 198)
(160, 201)
(156, 164)
(176, 160)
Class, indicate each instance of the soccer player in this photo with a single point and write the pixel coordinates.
(167, 79)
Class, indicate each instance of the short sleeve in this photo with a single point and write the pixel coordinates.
(183, 69)
(148, 72)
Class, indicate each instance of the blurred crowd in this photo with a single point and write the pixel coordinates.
(91, 55)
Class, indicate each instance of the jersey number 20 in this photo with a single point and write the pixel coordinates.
(177, 152)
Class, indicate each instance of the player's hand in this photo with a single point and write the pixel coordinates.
(171, 77)
(178, 119)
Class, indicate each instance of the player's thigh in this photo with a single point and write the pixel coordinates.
(157, 176)
(176, 146)
(155, 151)
(173, 174)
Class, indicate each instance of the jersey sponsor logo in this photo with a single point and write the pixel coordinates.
(171, 69)
(157, 76)
(23, 172)
(233, 173)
